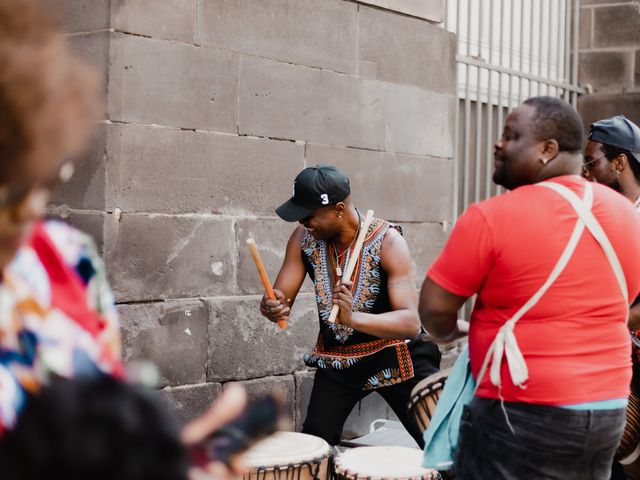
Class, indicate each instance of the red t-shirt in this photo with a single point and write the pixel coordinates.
(575, 339)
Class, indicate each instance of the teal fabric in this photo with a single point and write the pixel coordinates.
(441, 438)
(601, 405)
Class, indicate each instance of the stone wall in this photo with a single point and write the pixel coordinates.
(213, 106)
(609, 62)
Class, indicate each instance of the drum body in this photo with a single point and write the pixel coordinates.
(372, 463)
(286, 456)
(628, 453)
(424, 398)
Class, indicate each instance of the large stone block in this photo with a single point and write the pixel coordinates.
(170, 19)
(398, 61)
(243, 344)
(418, 121)
(294, 102)
(397, 187)
(425, 243)
(271, 236)
(93, 48)
(86, 189)
(171, 334)
(157, 257)
(432, 10)
(306, 32)
(610, 71)
(190, 401)
(166, 170)
(597, 107)
(304, 385)
(586, 19)
(282, 387)
(625, 18)
(637, 72)
(82, 15)
(166, 83)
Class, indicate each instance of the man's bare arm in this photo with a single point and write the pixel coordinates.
(288, 281)
(439, 311)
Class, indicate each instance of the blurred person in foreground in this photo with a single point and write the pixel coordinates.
(551, 401)
(57, 313)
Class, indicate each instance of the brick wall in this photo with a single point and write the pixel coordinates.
(610, 59)
(213, 106)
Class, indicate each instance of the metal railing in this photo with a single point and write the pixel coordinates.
(507, 51)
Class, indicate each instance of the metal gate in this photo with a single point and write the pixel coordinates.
(507, 51)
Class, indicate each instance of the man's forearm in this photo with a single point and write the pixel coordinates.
(441, 326)
(634, 318)
(395, 324)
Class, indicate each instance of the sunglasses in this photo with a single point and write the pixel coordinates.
(586, 166)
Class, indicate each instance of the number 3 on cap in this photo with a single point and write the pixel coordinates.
(325, 199)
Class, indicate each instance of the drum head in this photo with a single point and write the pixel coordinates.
(430, 380)
(286, 448)
(383, 462)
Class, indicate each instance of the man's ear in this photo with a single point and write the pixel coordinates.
(620, 162)
(339, 208)
(550, 150)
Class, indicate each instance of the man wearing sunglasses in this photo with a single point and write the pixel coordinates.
(612, 157)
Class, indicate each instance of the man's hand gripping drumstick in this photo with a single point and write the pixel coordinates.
(273, 304)
(353, 260)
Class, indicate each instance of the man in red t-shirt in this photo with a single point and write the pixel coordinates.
(564, 416)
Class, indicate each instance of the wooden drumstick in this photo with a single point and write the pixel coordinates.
(353, 259)
(264, 278)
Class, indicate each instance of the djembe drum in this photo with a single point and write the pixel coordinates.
(389, 463)
(287, 456)
(424, 398)
(628, 452)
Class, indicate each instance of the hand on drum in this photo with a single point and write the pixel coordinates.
(461, 330)
(230, 404)
(344, 299)
(277, 309)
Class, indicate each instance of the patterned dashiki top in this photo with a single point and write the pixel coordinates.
(358, 359)
(57, 315)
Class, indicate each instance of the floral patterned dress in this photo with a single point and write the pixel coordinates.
(57, 316)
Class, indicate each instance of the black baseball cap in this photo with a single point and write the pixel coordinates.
(313, 188)
(617, 132)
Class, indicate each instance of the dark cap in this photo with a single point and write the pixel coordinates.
(314, 187)
(617, 132)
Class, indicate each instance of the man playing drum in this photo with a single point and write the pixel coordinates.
(552, 254)
(375, 343)
(612, 157)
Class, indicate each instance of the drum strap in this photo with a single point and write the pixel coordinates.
(505, 343)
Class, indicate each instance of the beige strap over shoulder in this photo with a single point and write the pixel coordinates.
(505, 343)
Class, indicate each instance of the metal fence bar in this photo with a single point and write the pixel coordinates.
(467, 116)
(521, 62)
(574, 50)
(480, 63)
(567, 43)
(489, 151)
(477, 169)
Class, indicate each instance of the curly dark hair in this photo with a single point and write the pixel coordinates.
(556, 120)
(94, 428)
(47, 96)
